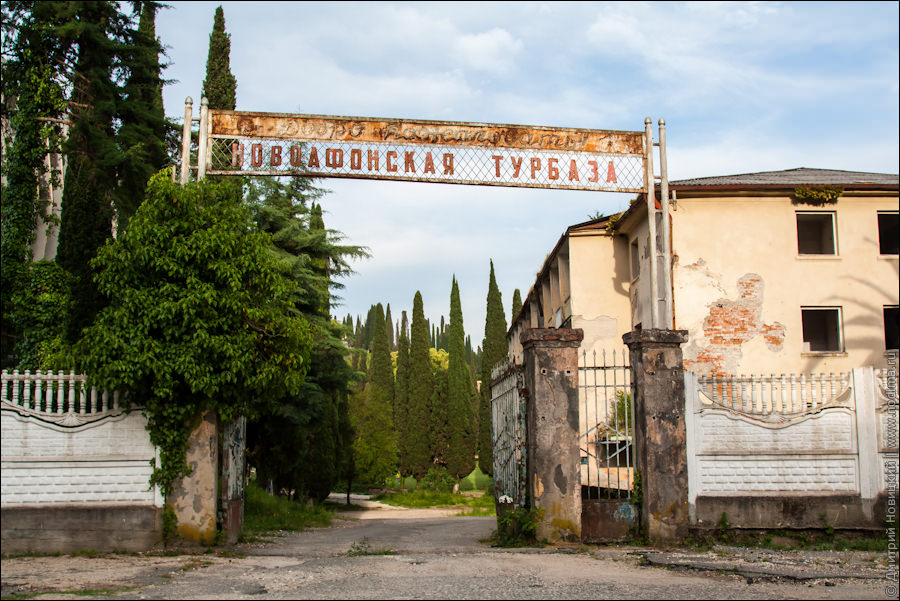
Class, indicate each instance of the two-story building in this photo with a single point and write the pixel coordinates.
(775, 272)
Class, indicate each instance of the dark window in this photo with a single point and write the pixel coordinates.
(889, 234)
(822, 330)
(815, 234)
(635, 261)
(891, 328)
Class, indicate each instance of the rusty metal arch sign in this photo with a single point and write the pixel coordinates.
(274, 144)
(277, 144)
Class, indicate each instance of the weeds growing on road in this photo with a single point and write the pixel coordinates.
(362, 548)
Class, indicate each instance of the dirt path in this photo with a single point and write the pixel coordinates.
(386, 552)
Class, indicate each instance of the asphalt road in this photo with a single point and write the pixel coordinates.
(426, 554)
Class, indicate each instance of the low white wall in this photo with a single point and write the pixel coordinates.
(103, 462)
(741, 449)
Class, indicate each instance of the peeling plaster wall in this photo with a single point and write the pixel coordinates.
(600, 303)
(739, 284)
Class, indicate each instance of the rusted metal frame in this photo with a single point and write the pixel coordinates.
(650, 193)
(205, 142)
(668, 318)
(240, 124)
(464, 163)
(186, 141)
(626, 453)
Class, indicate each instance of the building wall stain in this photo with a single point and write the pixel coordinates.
(729, 324)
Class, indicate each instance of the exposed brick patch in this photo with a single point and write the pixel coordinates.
(729, 324)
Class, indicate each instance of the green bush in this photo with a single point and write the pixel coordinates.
(264, 512)
(437, 480)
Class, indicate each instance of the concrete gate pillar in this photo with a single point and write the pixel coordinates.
(553, 458)
(194, 497)
(659, 431)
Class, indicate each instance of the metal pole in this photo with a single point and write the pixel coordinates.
(668, 317)
(651, 223)
(203, 147)
(186, 141)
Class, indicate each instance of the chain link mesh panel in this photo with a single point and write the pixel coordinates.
(457, 164)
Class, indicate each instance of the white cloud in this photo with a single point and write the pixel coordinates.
(493, 51)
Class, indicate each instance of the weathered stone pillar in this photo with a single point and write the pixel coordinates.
(194, 497)
(659, 431)
(553, 459)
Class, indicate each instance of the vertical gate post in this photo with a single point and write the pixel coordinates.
(194, 496)
(659, 431)
(553, 457)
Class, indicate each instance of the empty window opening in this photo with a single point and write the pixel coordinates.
(891, 328)
(889, 234)
(822, 330)
(635, 260)
(815, 234)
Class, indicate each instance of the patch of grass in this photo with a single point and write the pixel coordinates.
(427, 498)
(362, 548)
(477, 512)
(518, 528)
(264, 513)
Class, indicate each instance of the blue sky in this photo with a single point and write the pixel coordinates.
(743, 87)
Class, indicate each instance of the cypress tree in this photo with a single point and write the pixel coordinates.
(462, 402)
(401, 396)
(375, 446)
(439, 416)
(220, 85)
(516, 305)
(494, 349)
(389, 326)
(142, 136)
(421, 387)
(93, 158)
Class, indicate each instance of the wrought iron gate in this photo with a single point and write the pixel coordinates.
(508, 432)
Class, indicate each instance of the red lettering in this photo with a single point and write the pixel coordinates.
(573, 171)
(295, 157)
(255, 155)
(448, 164)
(275, 156)
(429, 163)
(516, 165)
(535, 166)
(373, 160)
(334, 158)
(611, 173)
(390, 156)
(594, 175)
(313, 158)
(497, 164)
(356, 159)
(237, 155)
(552, 169)
(408, 165)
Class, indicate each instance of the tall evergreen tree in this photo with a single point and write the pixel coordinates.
(494, 349)
(516, 305)
(142, 135)
(220, 85)
(421, 386)
(305, 444)
(93, 156)
(462, 402)
(375, 445)
(389, 327)
(401, 395)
